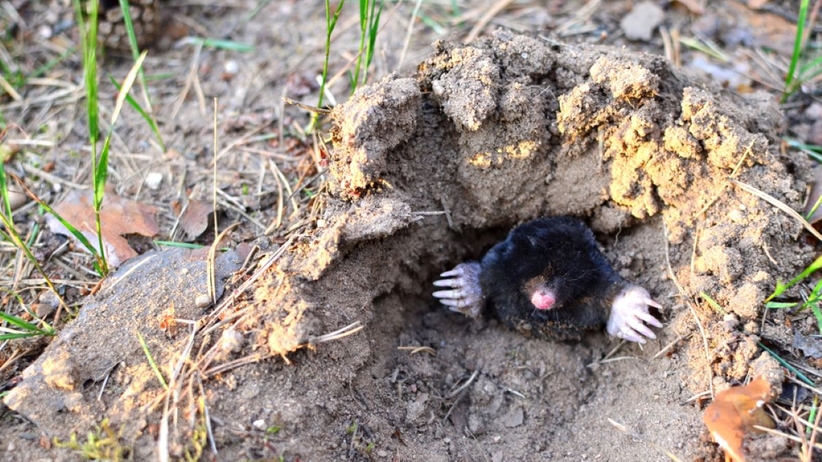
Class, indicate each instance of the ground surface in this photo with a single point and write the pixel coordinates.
(419, 171)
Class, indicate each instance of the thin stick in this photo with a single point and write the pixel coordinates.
(408, 35)
(464, 385)
(485, 19)
(780, 205)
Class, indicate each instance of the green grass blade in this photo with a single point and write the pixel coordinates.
(74, 231)
(88, 38)
(30, 328)
(12, 235)
(185, 245)
(810, 69)
(330, 24)
(373, 29)
(790, 78)
(4, 189)
(149, 120)
(780, 305)
(781, 288)
(712, 302)
(817, 313)
(135, 49)
(151, 361)
(100, 173)
(40, 71)
(785, 364)
(132, 37)
(229, 45)
(361, 50)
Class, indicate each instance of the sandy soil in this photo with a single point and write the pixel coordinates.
(426, 169)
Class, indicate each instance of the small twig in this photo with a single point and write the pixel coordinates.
(670, 345)
(207, 417)
(611, 360)
(350, 329)
(464, 385)
(418, 349)
(485, 19)
(211, 264)
(306, 107)
(785, 435)
(780, 205)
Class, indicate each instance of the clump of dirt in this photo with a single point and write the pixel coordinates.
(428, 171)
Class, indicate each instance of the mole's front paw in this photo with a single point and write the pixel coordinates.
(465, 295)
(630, 313)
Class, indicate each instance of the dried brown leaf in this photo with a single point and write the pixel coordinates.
(734, 413)
(118, 216)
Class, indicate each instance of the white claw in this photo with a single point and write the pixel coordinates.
(629, 314)
(446, 294)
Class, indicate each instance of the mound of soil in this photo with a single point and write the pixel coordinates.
(431, 170)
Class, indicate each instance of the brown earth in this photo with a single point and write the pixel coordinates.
(430, 169)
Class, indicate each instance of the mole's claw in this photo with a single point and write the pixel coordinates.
(647, 317)
(629, 313)
(446, 294)
(465, 295)
(652, 302)
(638, 326)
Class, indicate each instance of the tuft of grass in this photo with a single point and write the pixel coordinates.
(369, 26)
(102, 443)
(801, 68)
(87, 22)
(330, 25)
(24, 329)
(88, 47)
(814, 299)
(10, 233)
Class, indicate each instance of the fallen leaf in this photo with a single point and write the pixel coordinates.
(734, 413)
(118, 217)
(194, 220)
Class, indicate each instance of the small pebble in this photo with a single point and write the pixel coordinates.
(42, 310)
(231, 67)
(45, 32)
(202, 301)
(17, 198)
(232, 341)
(153, 180)
(259, 424)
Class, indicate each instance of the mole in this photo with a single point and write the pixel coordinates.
(548, 279)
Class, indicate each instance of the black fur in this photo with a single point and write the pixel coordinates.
(561, 254)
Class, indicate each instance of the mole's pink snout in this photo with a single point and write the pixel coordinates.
(543, 299)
